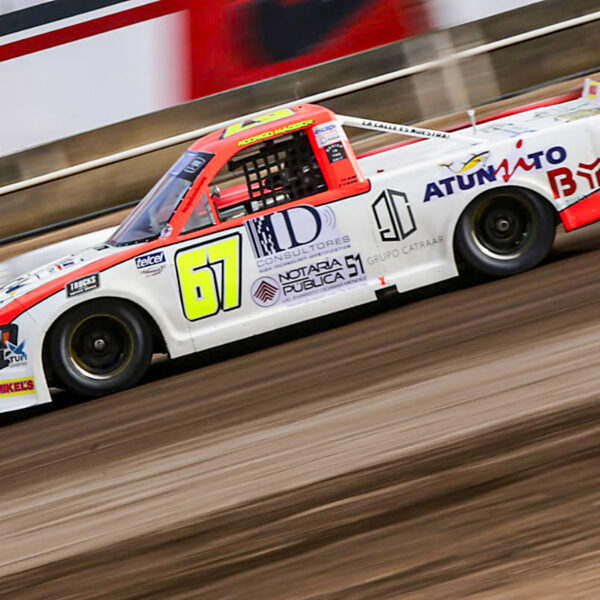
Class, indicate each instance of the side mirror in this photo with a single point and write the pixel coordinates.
(215, 192)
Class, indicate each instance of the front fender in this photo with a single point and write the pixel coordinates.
(22, 379)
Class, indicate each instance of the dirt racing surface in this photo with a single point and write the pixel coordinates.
(444, 447)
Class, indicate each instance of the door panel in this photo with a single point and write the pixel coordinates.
(276, 269)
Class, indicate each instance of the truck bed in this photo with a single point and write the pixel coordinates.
(494, 130)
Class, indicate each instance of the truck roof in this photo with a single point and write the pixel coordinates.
(262, 127)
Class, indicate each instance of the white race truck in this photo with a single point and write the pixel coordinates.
(274, 220)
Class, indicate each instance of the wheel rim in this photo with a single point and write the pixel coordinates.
(504, 227)
(101, 346)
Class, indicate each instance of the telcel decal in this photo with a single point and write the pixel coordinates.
(476, 172)
(295, 234)
(151, 264)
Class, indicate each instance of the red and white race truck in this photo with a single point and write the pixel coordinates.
(274, 220)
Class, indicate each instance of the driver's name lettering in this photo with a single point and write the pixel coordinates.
(269, 134)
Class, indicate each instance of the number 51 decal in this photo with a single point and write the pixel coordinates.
(209, 277)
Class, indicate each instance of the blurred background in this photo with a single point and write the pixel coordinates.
(444, 449)
(83, 80)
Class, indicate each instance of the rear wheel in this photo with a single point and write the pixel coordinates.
(100, 348)
(506, 231)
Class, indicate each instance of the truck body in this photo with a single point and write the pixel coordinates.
(274, 220)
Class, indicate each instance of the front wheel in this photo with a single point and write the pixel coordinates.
(100, 348)
(505, 231)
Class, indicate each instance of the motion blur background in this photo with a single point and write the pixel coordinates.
(446, 449)
(82, 80)
(68, 67)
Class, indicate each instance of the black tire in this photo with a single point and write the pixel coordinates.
(100, 347)
(505, 231)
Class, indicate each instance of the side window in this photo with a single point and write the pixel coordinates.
(201, 216)
(268, 174)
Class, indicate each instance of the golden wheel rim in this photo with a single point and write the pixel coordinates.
(101, 346)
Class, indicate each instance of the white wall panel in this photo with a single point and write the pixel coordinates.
(93, 82)
(448, 13)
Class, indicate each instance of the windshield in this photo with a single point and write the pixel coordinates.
(150, 216)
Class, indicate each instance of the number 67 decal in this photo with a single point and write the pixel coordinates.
(210, 277)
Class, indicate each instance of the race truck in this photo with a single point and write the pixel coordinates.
(273, 220)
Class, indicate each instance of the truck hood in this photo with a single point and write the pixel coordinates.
(23, 284)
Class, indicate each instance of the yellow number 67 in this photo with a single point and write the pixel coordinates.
(210, 277)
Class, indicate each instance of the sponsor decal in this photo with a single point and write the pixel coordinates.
(270, 134)
(512, 129)
(565, 183)
(485, 173)
(574, 186)
(591, 89)
(151, 264)
(404, 250)
(12, 353)
(293, 235)
(152, 271)
(476, 161)
(393, 216)
(257, 121)
(304, 283)
(83, 285)
(265, 291)
(11, 287)
(336, 152)
(405, 129)
(348, 180)
(329, 133)
(559, 114)
(190, 165)
(17, 387)
(576, 115)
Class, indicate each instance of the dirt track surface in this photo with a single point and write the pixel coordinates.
(446, 447)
